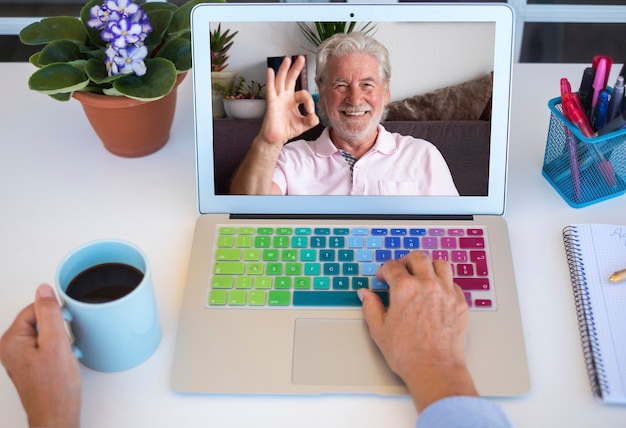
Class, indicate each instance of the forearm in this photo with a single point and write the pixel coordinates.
(254, 175)
(435, 382)
(66, 417)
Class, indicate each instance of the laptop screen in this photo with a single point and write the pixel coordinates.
(449, 85)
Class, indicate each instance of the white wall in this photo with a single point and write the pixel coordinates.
(424, 57)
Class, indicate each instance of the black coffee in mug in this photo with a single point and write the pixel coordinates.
(104, 283)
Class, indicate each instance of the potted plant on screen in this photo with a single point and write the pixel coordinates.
(220, 43)
(315, 33)
(121, 57)
(244, 100)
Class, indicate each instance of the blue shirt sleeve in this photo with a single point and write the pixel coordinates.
(468, 412)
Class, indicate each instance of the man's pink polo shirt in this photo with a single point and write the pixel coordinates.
(396, 165)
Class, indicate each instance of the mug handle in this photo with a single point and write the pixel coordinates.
(67, 316)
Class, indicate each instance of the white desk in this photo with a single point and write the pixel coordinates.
(60, 188)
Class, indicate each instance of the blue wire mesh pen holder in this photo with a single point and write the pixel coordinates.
(583, 170)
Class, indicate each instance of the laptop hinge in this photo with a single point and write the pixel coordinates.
(416, 217)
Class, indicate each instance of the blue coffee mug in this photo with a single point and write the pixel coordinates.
(119, 334)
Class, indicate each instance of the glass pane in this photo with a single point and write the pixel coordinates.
(12, 50)
(591, 2)
(34, 8)
(572, 42)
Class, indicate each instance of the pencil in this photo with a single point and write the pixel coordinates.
(618, 276)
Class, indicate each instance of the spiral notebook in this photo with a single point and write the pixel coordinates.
(594, 253)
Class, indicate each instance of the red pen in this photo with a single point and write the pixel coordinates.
(573, 109)
(566, 92)
(578, 118)
(566, 97)
(566, 88)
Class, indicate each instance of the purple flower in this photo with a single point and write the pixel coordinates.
(131, 60)
(122, 33)
(110, 63)
(99, 17)
(123, 7)
(125, 27)
(141, 18)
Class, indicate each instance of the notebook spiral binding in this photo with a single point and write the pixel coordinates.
(586, 325)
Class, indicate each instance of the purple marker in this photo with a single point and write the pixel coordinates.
(598, 81)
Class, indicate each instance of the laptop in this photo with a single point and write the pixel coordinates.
(260, 330)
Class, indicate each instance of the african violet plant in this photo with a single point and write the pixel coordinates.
(116, 47)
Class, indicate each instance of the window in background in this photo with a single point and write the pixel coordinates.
(590, 2)
(40, 8)
(547, 30)
(572, 42)
(13, 14)
(12, 50)
(569, 30)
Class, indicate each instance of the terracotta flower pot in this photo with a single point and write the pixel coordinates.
(128, 127)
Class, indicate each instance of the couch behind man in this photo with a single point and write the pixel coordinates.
(463, 144)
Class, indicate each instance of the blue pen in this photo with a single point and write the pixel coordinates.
(602, 110)
(615, 105)
(615, 125)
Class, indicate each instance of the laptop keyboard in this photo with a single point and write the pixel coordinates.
(285, 267)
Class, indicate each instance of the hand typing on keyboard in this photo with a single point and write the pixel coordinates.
(422, 332)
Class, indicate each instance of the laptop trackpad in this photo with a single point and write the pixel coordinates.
(338, 352)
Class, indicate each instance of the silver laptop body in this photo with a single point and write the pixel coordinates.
(317, 350)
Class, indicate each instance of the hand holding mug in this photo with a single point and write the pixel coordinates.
(37, 355)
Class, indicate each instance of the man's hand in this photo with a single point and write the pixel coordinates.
(283, 119)
(37, 355)
(422, 333)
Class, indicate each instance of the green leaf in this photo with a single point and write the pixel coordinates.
(177, 51)
(309, 34)
(182, 17)
(59, 51)
(160, 20)
(96, 71)
(112, 92)
(369, 28)
(90, 52)
(156, 83)
(65, 96)
(155, 5)
(34, 59)
(325, 30)
(55, 28)
(93, 34)
(185, 35)
(58, 78)
(78, 63)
